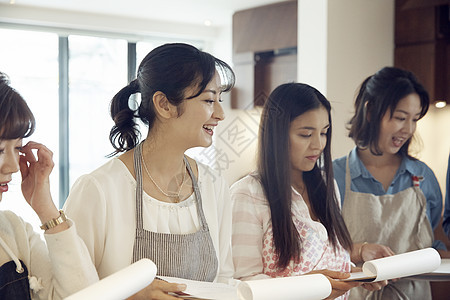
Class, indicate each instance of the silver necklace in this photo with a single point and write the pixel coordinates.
(171, 195)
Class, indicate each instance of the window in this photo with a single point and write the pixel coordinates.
(30, 59)
(68, 82)
(97, 71)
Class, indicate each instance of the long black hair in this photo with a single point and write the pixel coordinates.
(16, 119)
(284, 104)
(379, 94)
(170, 69)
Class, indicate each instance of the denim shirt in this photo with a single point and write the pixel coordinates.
(446, 223)
(364, 182)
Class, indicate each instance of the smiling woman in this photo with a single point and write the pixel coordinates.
(127, 214)
(383, 188)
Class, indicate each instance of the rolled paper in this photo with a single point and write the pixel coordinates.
(120, 285)
(304, 287)
(403, 265)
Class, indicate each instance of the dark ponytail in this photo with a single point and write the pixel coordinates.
(124, 134)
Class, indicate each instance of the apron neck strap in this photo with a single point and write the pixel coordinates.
(348, 177)
(139, 189)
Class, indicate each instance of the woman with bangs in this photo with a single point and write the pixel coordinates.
(153, 201)
(29, 267)
(286, 215)
(388, 197)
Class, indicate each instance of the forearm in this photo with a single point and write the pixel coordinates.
(72, 266)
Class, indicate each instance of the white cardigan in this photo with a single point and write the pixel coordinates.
(103, 205)
(58, 269)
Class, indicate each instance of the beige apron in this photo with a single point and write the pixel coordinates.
(398, 221)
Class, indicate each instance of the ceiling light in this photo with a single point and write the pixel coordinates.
(440, 104)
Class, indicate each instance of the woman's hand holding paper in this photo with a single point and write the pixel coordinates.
(159, 290)
(371, 286)
(339, 288)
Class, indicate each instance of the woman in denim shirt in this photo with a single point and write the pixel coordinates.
(389, 197)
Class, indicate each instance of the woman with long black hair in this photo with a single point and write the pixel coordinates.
(286, 215)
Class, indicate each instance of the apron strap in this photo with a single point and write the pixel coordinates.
(348, 177)
(198, 196)
(139, 187)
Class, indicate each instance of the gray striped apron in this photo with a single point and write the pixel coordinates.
(190, 256)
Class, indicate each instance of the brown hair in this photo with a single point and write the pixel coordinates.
(16, 118)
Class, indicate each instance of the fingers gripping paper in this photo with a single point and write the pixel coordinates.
(305, 287)
(120, 285)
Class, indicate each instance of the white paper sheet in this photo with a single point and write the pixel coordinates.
(205, 290)
(444, 268)
(442, 273)
(304, 287)
(400, 265)
(120, 285)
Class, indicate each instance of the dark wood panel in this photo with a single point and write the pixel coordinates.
(419, 59)
(422, 42)
(265, 28)
(423, 3)
(430, 62)
(446, 79)
(271, 71)
(414, 25)
(442, 70)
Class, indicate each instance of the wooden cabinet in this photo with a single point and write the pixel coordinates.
(422, 43)
(265, 28)
(264, 51)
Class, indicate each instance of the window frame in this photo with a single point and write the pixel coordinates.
(63, 77)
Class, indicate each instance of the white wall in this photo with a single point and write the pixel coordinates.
(435, 148)
(340, 43)
(360, 42)
(312, 51)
